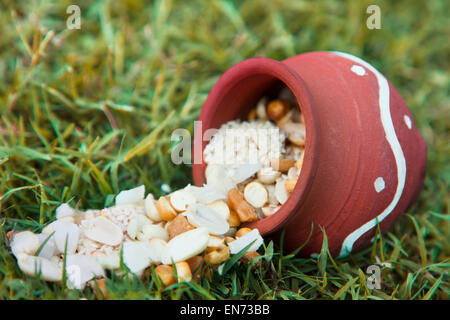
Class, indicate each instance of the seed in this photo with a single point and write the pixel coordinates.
(218, 256)
(228, 239)
(276, 109)
(251, 256)
(221, 207)
(282, 165)
(252, 114)
(101, 292)
(166, 275)
(153, 231)
(268, 175)
(261, 109)
(165, 209)
(178, 225)
(280, 191)
(270, 210)
(244, 210)
(214, 242)
(290, 184)
(256, 194)
(242, 231)
(183, 271)
(233, 220)
(150, 208)
(195, 264)
(297, 139)
(181, 200)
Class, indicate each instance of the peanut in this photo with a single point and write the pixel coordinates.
(181, 200)
(178, 225)
(243, 209)
(250, 257)
(217, 256)
(269, 210)
(290, 184)
(282, 165)
(165, 209)
(166, 275)
(101, 292)
(242, 231)
(196, 265)
(276, 109)
(256, 194)
(183, 271)
(220, 207)
(252, 114)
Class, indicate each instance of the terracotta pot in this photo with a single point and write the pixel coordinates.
(364, 161)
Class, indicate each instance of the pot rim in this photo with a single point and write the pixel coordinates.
(285, 74)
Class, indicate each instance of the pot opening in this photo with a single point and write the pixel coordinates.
(234, 97)
(272, 103)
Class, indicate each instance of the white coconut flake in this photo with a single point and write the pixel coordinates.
(102, 230)
(200, 215)
(206, 194)
(136, 256)
(237, 245)
(24, 242)
(131, 196)
(64, 210)
(136, 224)
(49, 248)
(81, 269)
(32, 266)
(65, 231)
(108, 260)
(186, 245)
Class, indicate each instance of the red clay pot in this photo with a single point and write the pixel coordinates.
(364, 161)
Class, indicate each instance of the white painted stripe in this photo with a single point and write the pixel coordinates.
(391, 137)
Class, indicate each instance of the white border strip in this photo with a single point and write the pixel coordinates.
(391, 137)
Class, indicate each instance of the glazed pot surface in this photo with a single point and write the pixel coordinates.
(364, 160)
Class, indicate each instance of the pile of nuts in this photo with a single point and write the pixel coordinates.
(194, 229)
(265, 185)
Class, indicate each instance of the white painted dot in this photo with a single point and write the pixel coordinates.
(379, 184)
(360, 71)
(408, 121)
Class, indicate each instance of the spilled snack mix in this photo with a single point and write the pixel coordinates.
(194, 228)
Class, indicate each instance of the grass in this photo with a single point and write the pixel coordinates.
(86, 113)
